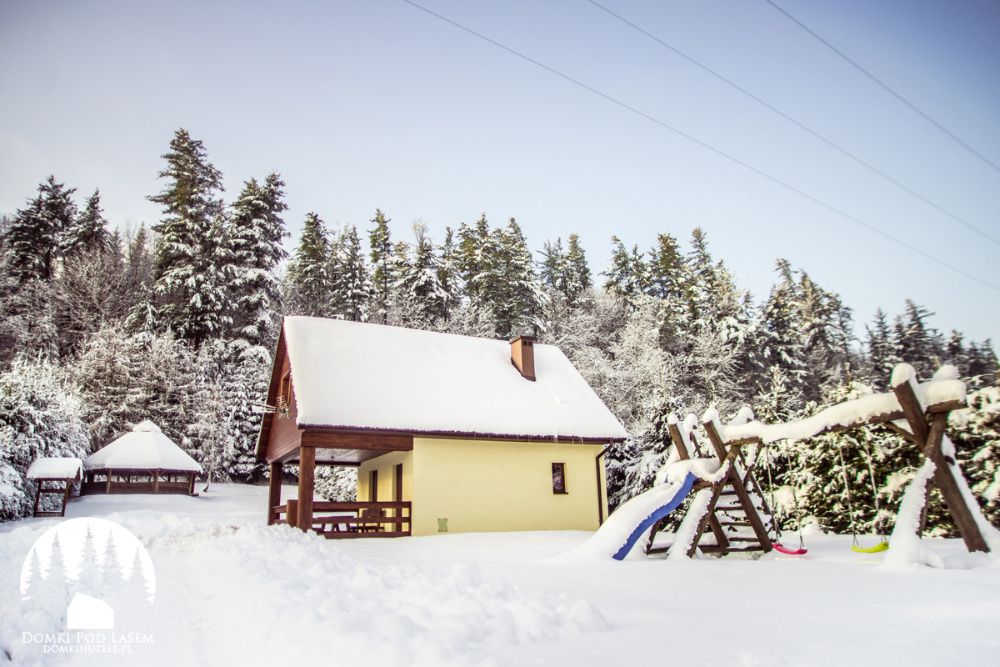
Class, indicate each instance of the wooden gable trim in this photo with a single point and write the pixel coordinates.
(266, 423)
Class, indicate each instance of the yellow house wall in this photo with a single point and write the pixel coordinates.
(481, 485)
(386, 467)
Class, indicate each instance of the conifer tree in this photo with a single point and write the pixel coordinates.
(191, 252)
(881, 354)
(310, 285)
(448, 276)
(553, 269)
(516, 295)
(419, 281)
(256, 230)
(578, 272)
(89, 230)
(352, 285)
(625, 276)
(916, 343)
(380, 241)
(35, 235)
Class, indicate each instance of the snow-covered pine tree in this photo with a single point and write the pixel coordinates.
(518, 300)
(881, 355)
(88, 231)
(256, 230)
(39, 416)
(915, 342)
(578, 276)
(976, 434)
(779, 338)
(352, 285)
(418, 282)
(553, 268)
(192, 248)
(380, 242)
(827, 336)
(475, 257)
(451, 282)
(35, 234)
(309, 288)
(624, 276)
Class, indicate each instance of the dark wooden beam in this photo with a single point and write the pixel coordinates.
(307, 479)
(273, 490)
(944, 479)
(341, 440)
(912, 411)
(678, 439)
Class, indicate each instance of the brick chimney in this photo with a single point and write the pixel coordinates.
(522, 355)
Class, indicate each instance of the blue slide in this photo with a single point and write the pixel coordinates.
(666, 497)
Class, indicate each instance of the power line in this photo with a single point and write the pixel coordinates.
(802, 126)
(884, 86)
(706, 146)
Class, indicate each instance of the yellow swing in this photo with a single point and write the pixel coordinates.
(856, 547)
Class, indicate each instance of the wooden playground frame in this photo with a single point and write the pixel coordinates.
(924, 428)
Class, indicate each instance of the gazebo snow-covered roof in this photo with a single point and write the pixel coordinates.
(143, 448)
(54, 467)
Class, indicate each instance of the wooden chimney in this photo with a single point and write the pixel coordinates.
(522, 355)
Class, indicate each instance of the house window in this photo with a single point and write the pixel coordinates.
(558, 478)
(373, 486)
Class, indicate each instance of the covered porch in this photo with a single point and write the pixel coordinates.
(375, 517)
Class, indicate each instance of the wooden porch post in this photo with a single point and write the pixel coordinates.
(307, 477)
(273, 490)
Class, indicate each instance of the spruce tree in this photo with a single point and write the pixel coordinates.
(419, 282)
(351, 282)
(89, 230)
(917, 343)
(310, 285)
(553, 268)
(380, 242)
(256, 230)
(623, 278)
(448, 276)
(578, 272)
(191, 252)
(881, 354)
(34, 237)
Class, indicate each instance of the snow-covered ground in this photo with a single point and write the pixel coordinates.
(232, 591)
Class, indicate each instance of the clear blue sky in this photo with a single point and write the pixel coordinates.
(374, 104)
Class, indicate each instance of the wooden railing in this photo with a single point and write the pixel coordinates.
(347, 520)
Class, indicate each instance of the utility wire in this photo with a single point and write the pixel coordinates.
(802, 126)
(884, 86)
(708, 147)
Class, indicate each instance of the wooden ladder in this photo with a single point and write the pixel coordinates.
(735, 487)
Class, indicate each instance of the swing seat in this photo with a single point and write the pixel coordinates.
(881, 546)
(781, 549)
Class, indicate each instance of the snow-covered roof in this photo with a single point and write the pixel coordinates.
(49, 467)
(371, 376)
(144, 448)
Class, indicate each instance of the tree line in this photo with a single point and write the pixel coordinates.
(176, 323)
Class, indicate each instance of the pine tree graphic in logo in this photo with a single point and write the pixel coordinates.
(86, 570)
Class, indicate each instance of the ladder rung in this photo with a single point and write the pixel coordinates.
(711, 548)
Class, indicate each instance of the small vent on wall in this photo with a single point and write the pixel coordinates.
(442, 525)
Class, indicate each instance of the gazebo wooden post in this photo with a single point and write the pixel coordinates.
(307, 478)
(191, 476)
(107, 484)
(292, 512)
(273, 490)
(928, 439)
(156, 481)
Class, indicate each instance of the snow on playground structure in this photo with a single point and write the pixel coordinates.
(916, 411)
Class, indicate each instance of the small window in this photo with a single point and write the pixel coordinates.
(558, 478)
(285, 391)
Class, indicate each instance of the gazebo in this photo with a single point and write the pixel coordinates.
(141, 461)
(61, 474)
